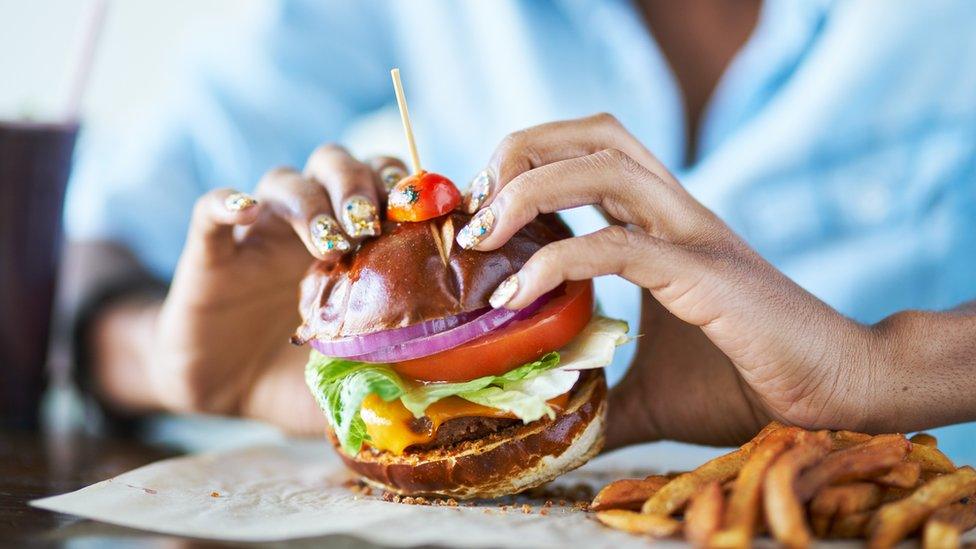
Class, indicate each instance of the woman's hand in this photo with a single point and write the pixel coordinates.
(728, 341)
(220, 337)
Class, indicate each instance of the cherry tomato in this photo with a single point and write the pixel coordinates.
(422, 196)
(522, 341)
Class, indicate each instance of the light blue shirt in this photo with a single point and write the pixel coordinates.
(841, 142)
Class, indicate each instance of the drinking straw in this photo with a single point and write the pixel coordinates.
(94, 22)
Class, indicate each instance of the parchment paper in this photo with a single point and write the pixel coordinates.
(299, 489)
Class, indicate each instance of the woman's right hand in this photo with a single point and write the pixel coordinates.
(220, 339)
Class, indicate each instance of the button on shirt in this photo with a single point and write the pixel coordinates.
(840, 143)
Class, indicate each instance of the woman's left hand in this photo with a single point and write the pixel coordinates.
(730, 342)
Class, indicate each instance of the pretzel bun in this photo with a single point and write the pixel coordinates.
(399, 278)
(506, 462)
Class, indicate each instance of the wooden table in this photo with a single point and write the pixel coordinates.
(34, 465)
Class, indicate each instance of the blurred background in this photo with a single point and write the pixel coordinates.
(141, 47)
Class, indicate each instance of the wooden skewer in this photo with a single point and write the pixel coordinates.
(405, 118)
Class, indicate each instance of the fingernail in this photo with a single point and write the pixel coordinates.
(477, 229)
(359, 217)
(326, 235)
(478, 191)
(390, 176)
(504, 292)
(238, 202)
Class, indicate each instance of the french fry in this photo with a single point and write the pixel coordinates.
(923, 450)
(833, 503)
(903, 475)
(924, 439)
(893, 493)
(931, 459)
(940, 535)
(639, 523)
(846, 439)
(945, 527)
(849, 526)
(629, 493)
(784, 511)
(846, 499)
(863, 460)
(742, 511)
(704, 514)
(675, 494)
(895, 520)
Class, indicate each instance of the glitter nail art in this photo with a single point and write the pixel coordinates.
(359, 217)
(390, 176)
(504, 292)
(478, 191)
(326, 235)
(239, 201)
(477, 229)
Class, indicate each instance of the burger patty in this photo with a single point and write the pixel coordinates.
(460, 429)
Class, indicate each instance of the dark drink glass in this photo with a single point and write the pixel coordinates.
(35, 161)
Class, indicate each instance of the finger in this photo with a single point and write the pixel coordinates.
(306, 207)
(389, 171)
(538, 146)
(214, 216)
(611, 179)
(351, 186)
(635, 256)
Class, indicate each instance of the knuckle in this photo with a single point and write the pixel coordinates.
(619, 237)
(276, 174)
(606, 119)
(513, 142)
(547, 259)
(323, 155)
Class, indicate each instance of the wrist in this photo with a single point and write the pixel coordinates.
(922, 377)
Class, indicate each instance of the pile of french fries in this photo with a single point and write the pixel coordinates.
(794, 485)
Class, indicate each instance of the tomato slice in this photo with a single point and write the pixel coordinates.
(422, 196)
(551, 327)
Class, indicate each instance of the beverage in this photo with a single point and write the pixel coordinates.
(35, 161)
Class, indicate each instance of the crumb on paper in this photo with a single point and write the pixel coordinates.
(582, 506)
(215, 494)
(526, 508)
(359, 487)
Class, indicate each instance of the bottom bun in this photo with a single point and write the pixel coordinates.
(506, 462)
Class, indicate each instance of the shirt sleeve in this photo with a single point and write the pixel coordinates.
(247, 101)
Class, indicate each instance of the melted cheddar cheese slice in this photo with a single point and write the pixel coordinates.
(393, 428)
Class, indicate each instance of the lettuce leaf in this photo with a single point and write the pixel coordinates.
(341, 385)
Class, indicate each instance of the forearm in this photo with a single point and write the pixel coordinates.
(925, 374)
(109, 300)
(119, 339)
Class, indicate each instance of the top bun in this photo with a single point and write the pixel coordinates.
(399, 279)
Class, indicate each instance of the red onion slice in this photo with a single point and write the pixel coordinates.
(448, 339)
(360, 345)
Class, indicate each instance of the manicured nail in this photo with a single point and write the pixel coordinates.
(504, 292)
(477, 229)
(359, 217)
(390, 176)
(326, 235)
(238, 202)
(478, 191)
